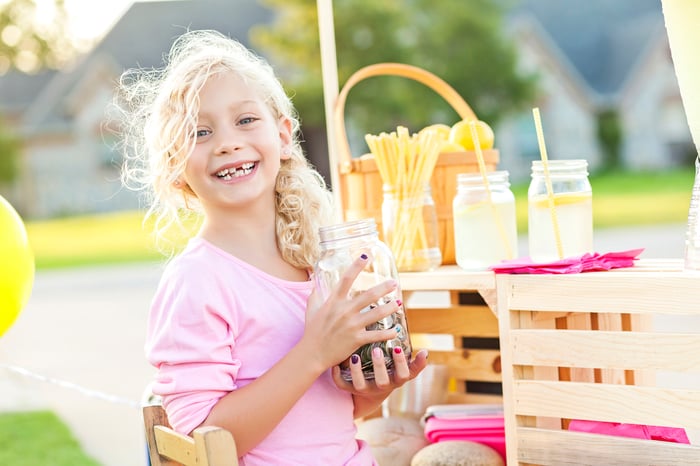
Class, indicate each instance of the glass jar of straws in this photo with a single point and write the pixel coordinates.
(560, 217)
(340, 246)
(409, 220)
(409, 224)
(484, 220)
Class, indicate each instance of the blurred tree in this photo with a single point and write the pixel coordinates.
(9, 150)
(34, 37)
(461, 41)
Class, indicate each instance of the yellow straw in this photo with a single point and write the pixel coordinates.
(548, 181)
(487, 186)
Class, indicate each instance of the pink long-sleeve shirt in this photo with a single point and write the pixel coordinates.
(217, 324)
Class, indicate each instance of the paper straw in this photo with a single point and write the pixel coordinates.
(487, 186)
(548, 181)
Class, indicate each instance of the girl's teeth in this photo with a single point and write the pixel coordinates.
(230, 173)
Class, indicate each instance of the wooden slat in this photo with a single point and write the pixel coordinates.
(477, 365)
(562, 448)
(448, 277)
(646, 293)
(155, 416)
(603, 402)
(472, 321)
(607, 350)
(216, 445)
(174, 445)
(473, 398)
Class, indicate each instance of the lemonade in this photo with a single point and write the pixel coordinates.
(567, 229)
(478, 241)
(574, 213)
(484, 220)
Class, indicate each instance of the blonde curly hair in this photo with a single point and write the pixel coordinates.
(158, 110)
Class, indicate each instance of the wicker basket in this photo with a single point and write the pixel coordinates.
(360, 182)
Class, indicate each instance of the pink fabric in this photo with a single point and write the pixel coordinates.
(217, 324)
(666, 434)
(577, 264)
(487, 430)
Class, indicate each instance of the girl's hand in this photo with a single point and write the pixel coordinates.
(335, 328)
(383, 383)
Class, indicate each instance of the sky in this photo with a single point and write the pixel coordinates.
(91, 19)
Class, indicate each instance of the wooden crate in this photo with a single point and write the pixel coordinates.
(581, 346)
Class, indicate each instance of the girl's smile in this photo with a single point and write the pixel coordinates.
(236, 171)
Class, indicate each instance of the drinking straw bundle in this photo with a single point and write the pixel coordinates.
(406, 163)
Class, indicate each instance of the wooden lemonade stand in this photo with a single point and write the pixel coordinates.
(569, 346)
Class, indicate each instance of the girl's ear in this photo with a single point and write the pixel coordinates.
(285, 129)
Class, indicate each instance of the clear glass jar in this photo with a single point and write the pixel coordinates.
(410, 228)
(341, 245)
(571, 216)
(485, 229)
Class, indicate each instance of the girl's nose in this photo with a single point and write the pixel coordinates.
(226, 142)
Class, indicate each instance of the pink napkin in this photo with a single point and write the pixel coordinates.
(666, 434)
(576, 264)
(488, 430)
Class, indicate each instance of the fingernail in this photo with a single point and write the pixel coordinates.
(397, 350)
(354, 359)
(377, 353)
(399, 302)
(363, 257)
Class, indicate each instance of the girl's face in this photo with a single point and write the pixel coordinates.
(239, 145)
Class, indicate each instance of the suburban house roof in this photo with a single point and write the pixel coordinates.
(602, 39)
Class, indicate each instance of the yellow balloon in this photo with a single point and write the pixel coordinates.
(16, 265)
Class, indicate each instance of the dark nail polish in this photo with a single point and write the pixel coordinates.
(354, 359)
(363, 257)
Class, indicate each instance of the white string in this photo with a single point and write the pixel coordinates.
(62, 383)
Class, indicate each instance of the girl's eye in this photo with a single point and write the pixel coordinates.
(202, 132)
(247, 120)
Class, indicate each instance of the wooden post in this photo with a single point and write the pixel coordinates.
(329, 72)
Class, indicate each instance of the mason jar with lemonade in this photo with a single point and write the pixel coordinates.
(568, 227)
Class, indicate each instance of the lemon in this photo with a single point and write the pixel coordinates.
(449, 146)
(461, 134)
(542, 202)
(442, 130)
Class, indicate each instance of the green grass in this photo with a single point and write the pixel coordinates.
(91, 240)
(619, 199)
(39, 438)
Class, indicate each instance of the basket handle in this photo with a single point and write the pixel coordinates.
(392, 69)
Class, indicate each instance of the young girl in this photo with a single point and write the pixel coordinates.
(238, 338)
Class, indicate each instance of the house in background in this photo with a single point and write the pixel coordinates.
(591, 56)
(69, 163)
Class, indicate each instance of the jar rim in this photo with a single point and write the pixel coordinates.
(477, 177)
(561, 164)
(558, 168)
(351, 229)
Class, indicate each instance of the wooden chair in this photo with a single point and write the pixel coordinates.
(598, 371)
(208, 446)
